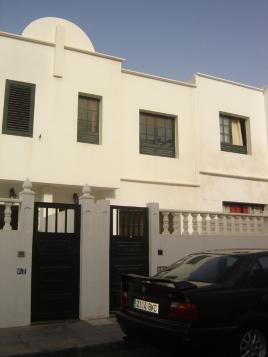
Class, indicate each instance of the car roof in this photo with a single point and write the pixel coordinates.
(233, 251)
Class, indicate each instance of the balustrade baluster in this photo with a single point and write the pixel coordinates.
(244, 224)
(221, 226)
(185, 224)
(259, 224)
(204, 223)
(195, 227)
(236, 224)
(212, 223)
(251, 224)
(176, 223)
(165, 223)
(229, 223)
(7, 217)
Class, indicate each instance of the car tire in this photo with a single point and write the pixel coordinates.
(252, 342)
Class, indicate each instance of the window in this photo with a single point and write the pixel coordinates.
(88, 119)
(19, 108)
(206, 268)
(233, 134)
(246, 208)
(258, 274)
(157, 135)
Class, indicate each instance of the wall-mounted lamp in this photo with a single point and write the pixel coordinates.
(12, 193)
(75, 198)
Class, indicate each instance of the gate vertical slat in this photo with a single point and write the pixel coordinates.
(46, 228)
(56, 221)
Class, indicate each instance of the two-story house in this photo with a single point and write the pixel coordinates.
(72, 116)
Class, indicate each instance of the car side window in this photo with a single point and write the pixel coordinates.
(263, 261)
(258, 276)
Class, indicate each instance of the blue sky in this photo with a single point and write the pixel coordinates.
(170, 38)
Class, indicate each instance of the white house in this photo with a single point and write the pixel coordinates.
(183, 164)
(73, 116)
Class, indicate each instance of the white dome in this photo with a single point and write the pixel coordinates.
(44, 29)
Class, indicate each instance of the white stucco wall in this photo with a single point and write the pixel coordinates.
(175, 248)
(15, 303)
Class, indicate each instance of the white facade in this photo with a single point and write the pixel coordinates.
(60, 60)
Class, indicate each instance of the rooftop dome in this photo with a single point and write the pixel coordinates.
(44, 29)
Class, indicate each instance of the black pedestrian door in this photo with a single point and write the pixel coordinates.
(55, 261)
(129, 252)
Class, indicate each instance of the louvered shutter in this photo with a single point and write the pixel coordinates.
(88, 119)
(19, 108)
(157, 135)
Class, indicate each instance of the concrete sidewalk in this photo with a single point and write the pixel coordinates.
(67, 338)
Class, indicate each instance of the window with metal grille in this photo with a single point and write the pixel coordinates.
(157, 134)
(88, 119)
(246, 208)
(233, 134)
(19, 108)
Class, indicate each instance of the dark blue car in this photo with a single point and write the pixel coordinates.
(207, 295)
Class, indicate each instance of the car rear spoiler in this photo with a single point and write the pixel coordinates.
(181, 285)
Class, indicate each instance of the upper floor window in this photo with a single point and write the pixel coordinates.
(246, 208)
(88, 119)
(233, 133)
(18, 108)
(157, 134)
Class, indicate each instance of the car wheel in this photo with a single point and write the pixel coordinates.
(252, 343)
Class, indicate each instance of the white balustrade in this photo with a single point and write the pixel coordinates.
(194, 223)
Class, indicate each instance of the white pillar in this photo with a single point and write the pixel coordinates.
(26, 218)
(94, 257)
(27, 209)
(153, 236)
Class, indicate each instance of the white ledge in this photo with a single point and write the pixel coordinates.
(26, 39)
(163, 79)
(165, 183)
(239, 177)
(228, 81)
(51, 44)
(97, 54)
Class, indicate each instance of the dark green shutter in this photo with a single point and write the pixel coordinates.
(88, 119)
(19, 108)
(151, 142)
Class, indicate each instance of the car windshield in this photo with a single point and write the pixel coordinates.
(200, 268)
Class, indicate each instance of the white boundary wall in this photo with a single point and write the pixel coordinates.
(15, 271)
(175, 246)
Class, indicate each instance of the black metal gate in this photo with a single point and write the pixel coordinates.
(56, 257)
(129, 248)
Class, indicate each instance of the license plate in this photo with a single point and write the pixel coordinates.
(146, 306)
